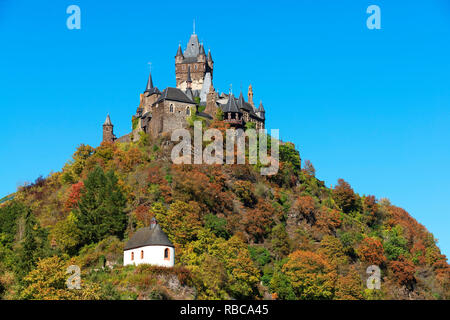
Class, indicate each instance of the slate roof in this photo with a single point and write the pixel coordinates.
(148, 236)
(193, 47)
(231, 105)
(261, 108)
(107, 121)
(209, 55)
(174, 94)
(149, 88)
(179, 53)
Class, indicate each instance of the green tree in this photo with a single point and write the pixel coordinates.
(280, 241)
(8, 220)
(66, 234)
(33, 246)
(100, 211)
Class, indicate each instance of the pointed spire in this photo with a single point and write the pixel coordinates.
(179, 52)
(261, 107)
(202, 49)
(241, 101)
(231, 105)
(107, 121)
(209, 55)
(149, 83)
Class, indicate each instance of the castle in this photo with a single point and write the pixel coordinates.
(162, 112)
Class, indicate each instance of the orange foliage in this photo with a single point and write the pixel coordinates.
(344, 196)
(327, 220)
(403, 271)
(144, 215)
(257, 221)
(371, 251)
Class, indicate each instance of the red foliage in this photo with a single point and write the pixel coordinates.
(257, 221)
(371, 251)
(403, 271)
(74, 196)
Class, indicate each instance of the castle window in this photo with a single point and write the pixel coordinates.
(188, 111)
(142, 254)
(132, 256)
(171, 108)
(184, 67)
(166, 254)
(195, 67)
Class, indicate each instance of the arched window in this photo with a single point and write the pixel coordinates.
(166, 254)
(195, 67)
(188, 111)
(132, 256)
(171, 108)
(142, 254)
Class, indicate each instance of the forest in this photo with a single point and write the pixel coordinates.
(237, 234)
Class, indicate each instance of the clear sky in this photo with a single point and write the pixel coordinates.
(369, 106)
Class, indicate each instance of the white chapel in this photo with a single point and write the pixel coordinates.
(149, 245)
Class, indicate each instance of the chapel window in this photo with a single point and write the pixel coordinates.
(132, 256)
(142, 254)
(166, 254)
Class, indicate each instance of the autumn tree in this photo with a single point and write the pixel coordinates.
(309, 168)
(403, 271)
(344, 196)
(48, 282)
(349, 286)
(311, 275)
(74, 196)
(371, 251)
(181, 222)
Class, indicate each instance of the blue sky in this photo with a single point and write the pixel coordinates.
(369, 106)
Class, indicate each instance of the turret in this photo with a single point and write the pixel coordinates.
(201, 56)
(179, 57)
(250, 95)
(261, 112)
(108, 130)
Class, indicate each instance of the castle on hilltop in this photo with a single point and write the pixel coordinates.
(162, 112)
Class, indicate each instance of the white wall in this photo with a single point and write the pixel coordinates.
(152, 255)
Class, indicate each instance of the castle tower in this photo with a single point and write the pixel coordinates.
(261, 112)
(193, 57)
(250, 95)
(211, 107)
(108, 130)
(150, 95)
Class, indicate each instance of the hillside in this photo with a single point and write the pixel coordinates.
(237, 234)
